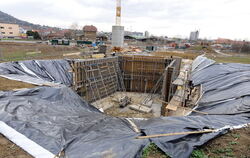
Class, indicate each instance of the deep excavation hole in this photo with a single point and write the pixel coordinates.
(128, 86)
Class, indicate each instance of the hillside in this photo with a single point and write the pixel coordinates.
(6, 18)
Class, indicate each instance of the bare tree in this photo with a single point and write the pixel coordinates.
(68, 34)
(74, 27)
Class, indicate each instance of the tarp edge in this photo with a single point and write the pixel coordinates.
(25, 143)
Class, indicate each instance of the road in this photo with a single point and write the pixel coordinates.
(23, 41)
(219, 52)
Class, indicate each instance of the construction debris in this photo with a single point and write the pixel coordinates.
(140, 108)
(124, 101)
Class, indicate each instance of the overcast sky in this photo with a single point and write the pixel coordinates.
(214, 18)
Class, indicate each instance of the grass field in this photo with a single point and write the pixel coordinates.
(10, 51)
(235, 58)
(235, 144)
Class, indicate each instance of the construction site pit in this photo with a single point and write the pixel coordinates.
(131, 86)
(111, 105)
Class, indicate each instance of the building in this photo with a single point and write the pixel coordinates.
(146, 34)
(89, 33)
(137, 34)
(194, 36)
(9, 30)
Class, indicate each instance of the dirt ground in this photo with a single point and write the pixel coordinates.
(223, 147)
(111, 107)
(7, 148)
(184, 55)
(117, 112)
(6, 84)
(234, 144)
(25, 51)
(10, 150)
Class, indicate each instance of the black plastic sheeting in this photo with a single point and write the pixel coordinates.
(229, 107)
(57, 118)
(200, 63)
(225, 88)
(38, 71)
(216, 71)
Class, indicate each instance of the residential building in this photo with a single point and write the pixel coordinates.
(9, 30)
(137, 34)
(146, 34)
(194, 36)
(89, 33)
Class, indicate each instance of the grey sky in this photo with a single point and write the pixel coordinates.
(214, 18)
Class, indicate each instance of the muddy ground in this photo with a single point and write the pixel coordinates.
(10, 150)
(234, 144)
(6, 85)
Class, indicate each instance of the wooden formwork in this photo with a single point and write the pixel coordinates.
(168, 88)
(95, 79)
(98, 78)
(141, 73)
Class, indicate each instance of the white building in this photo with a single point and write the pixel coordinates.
(9, 30)
(194, 36)
(146, 34)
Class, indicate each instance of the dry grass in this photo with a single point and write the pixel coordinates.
(234, 59)
(20, 51)
(185, 55)
(6, 84)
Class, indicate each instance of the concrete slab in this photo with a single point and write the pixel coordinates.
(140, 108)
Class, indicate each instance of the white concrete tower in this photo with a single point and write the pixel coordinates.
(118, 30)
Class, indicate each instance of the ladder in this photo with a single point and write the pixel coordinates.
(93, 84)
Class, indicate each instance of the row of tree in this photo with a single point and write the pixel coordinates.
(241, 48)
(33, 34)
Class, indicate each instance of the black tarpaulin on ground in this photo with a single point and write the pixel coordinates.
(224, 87)
(38, 71)
(216, 71)
(57, 118)
(229, 107)
(200, 63)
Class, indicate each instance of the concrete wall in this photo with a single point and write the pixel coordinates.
(9, 30)
(117, 36)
